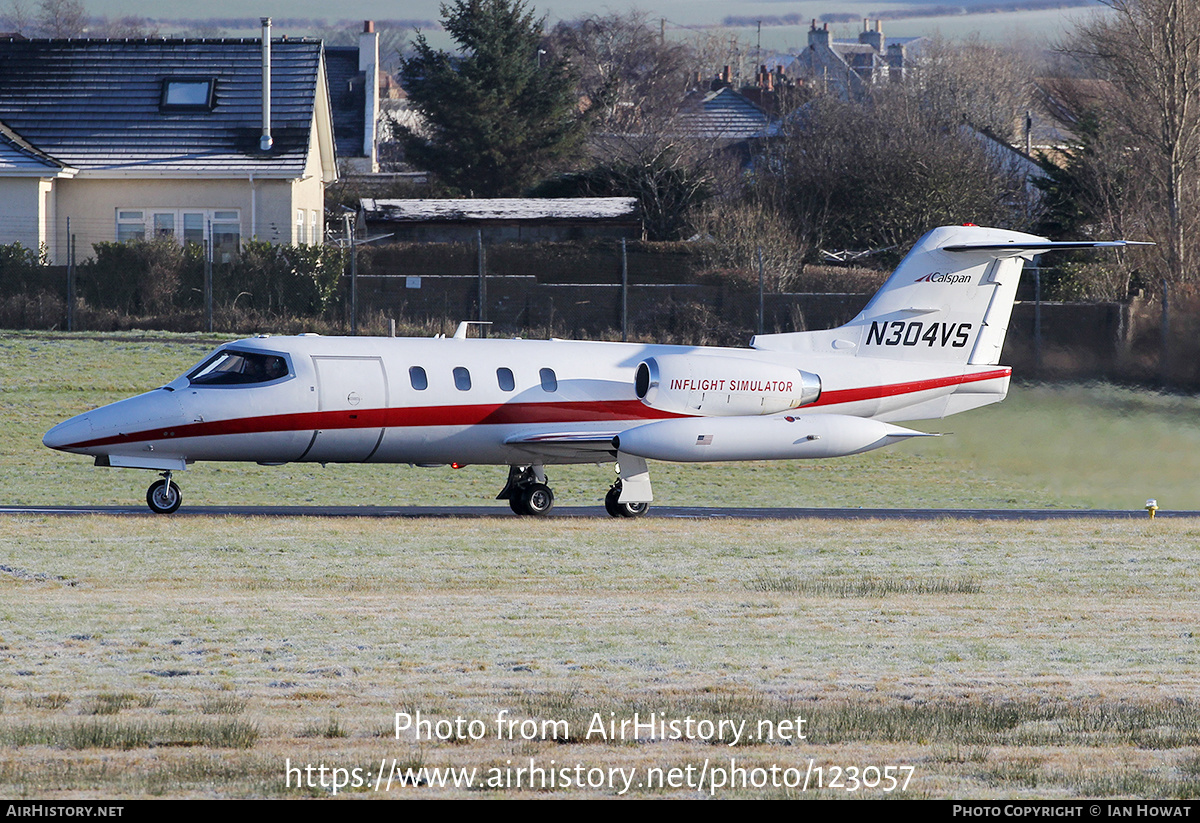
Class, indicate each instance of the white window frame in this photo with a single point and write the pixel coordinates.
(140, 223)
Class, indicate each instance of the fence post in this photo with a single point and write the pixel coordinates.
(760, 291)
(208, 279)
(353, 274)
(624, 293)
(482, 284)
(1164, 361)
(70, 278)
(1037, 317)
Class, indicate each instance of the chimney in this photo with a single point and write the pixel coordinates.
(265, 142)
(874, 39)
(727, 76)
(368, 64)
(896, 59)
(818, 37)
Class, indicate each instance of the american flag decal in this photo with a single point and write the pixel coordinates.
(704, 440)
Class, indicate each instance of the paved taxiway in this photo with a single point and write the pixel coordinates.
(695, 512)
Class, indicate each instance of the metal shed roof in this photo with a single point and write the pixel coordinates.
(560, 208)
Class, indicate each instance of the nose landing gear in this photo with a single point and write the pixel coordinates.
(163, 496)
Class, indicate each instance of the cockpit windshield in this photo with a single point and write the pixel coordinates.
(229, 367)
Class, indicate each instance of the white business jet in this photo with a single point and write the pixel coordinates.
(926, 346)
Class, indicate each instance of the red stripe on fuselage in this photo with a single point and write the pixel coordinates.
(839, 396)
(491, 414)
(409, 417)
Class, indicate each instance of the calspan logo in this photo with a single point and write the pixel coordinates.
(944, 277)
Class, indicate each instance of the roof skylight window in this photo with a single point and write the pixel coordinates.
(187, 94)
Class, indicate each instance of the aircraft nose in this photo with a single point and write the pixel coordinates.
(69, 432)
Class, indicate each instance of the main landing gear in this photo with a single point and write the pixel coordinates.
(526, 491)
(527, 494)
(163, 496)
(615, 508)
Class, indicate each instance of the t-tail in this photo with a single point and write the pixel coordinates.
(948, 301)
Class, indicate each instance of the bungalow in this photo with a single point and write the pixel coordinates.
(219, 140)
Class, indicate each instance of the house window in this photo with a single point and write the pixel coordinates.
(193, 228)
(131, 225)
(222, 226)
(313, 237)
(226, 234)
(164, 224)
(301, 237)
(187, 94)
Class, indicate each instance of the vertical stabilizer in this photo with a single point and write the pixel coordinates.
(949, 300)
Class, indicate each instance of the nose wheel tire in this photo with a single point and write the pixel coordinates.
(616, 508)
(163, 497)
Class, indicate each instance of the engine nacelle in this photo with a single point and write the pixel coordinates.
(714, 386)
(780, 437)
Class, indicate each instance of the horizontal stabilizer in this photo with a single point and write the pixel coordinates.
(1047, 245)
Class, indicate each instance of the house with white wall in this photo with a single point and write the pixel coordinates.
(221, 140)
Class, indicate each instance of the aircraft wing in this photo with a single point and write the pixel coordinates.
(562, 445)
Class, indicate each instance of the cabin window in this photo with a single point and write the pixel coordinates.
(462, 378)
(549, 380)
(229, 367)
(505, 378)
(418, 378)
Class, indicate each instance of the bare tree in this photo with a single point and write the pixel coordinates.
(715, 50)
(744, 231)
(62, 18)
(634, 84)
(1148, 51)
(988, 85)
(629, 74)
(17, 17)
(123, 27)
(47, 18)
(879, 174)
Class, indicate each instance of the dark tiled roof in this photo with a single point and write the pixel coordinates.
(18, 157)
(94, 104)
(346, 98)
(723, 114)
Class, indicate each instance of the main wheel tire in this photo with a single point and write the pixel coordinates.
(615, 508)
(163, 497)
(611, 504)
(634, 509)
(517, 504)
(538, 499)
